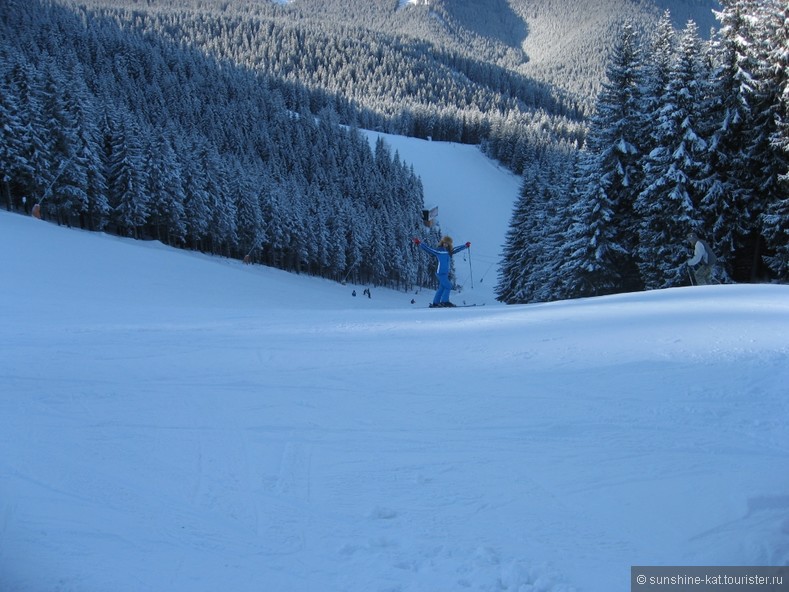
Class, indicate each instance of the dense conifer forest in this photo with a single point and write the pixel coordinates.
(118, 129)
(687, 135)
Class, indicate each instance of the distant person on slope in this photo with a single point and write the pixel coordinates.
(443, 253)
(703, 261)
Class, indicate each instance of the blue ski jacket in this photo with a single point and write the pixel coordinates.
(443, 257)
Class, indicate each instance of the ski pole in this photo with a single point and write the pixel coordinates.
(470, 270)
(61, 170)
(690, 275)
(345, 279)
(486, 272)
(248, 257)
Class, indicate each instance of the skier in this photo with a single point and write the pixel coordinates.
(443, 253)
(704, 258)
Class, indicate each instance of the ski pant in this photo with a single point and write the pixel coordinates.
(703, 275)
(444, 288)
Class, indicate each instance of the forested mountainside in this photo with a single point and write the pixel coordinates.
(569, 43)
(117, 129)
(561, 47)
(383, 69)
(503, 74)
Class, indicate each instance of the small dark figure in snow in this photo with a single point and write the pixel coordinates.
(353, 293)
(367, 293)
(701, 265)
(443, 254)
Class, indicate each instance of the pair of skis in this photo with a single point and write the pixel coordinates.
(456, 305)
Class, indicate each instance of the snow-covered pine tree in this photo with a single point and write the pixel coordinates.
(67, 194)
(521, 242)
(727, 206)
(337, 221)
(272, 209)
(775, 220)
(548, 280)
(602, 258)
(766, 162)
(89, 154)
(408, 197)
(12, 164)
(676, 170)
(590, 251)
(125, 175)
(197, 202)
(165, 190)
(534, 245)
(222, 229)
(244, 188)
(658, 59)
(32, 176)
(615, 134)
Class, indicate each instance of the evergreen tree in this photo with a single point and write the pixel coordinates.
(222, 228)
(615, 137)
(676, 171)
(67, 194)
(245, 190)
(12, 164)
(165, 190)
(591, 249)
(274, 224)
(89, 152)
(518, 260)
(766, 162)
(197, 202)
(775, 221)
(548, 279)
(727, 206)
(658, 60)
(601, 258)
(125, 178)
(33, 175)
(527, 247)
(658, 63)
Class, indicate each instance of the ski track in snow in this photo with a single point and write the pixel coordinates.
(170, 421)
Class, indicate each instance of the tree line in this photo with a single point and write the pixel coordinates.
(122, 131)
(687, 136)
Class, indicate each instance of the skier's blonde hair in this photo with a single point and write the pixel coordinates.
(446, 242)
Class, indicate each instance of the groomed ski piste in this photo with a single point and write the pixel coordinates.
(176, 422)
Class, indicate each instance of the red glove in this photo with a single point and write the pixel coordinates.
(468, 245)
(417, 241)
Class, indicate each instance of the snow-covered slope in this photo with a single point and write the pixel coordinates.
(475, 198)
(174, 422)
